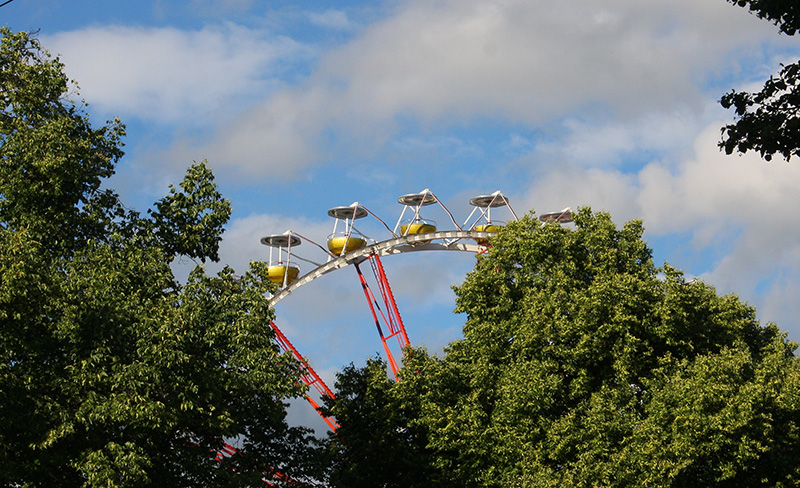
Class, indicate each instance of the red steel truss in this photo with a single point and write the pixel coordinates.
(307, 374)
(388, 315)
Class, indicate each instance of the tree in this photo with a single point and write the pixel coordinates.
(583, 364)
(783, 13)
(376, 445)
(53, 160)
(768, 121)
(111, 372)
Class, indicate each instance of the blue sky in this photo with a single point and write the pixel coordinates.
(302, 106)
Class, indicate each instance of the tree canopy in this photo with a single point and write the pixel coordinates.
(112, 373)
(785, 14)
(583, 364)
(376, 443)
(767, 121)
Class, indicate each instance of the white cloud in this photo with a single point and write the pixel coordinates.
(242, 239)
(740, 206)
(779, 302)
(331, 19)
(743, 203)
(594, 143)
(441, 63)
(531, 61)
(279, 142)
(434, 63)
(711, 186)
(167, 74)
(565, 185)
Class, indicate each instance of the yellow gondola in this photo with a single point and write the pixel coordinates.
(281, 270)
(417, 224)
(343, 244)
(282, 274)
(416, 227)
(486, 228)
(483, 205)
(348, 240)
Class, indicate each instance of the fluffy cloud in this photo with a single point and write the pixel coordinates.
(278, 143)
(517, 61)
(604, 100)
(430, 63)
(565, 185)
(734, 207)
(331, 19)
(171, 75)
(741, 190)
(741, 206)
(743, 197)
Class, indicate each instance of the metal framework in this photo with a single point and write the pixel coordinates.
(448, 240)
(385, 313)
(349, 247)
(307, 374)
(389, 316)
(228, 450)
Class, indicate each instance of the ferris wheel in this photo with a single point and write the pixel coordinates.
(347, 246)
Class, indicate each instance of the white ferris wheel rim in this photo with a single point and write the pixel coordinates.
(449, 240)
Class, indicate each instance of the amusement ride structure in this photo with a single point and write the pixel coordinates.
(347, 246)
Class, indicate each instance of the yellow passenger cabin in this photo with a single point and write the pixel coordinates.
(488, 227)
(418, 227)
(280, 269)
(483, 208)
(283, 274)
(343, 244)
(416, 224)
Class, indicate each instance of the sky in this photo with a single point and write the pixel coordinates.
(302, 106)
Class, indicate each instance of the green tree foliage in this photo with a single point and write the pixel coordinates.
(768, 121)
(52, 160)
(189, 222)
(376, 445)
(783, 13)
(583, 364)
(111, 372)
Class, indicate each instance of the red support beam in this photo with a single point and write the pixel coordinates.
(307, 374)
(395, 322)
(389, 315)
(378, 316)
